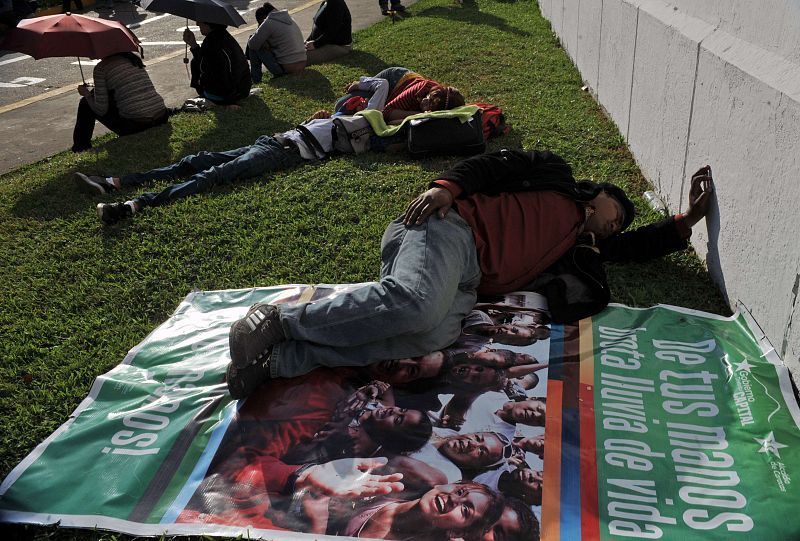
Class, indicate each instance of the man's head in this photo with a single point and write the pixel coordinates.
(402, 371)
(441, 98)
(523, 483)
(502, 357)
(398, 430)
(527, 412)
(263, 11)
(207, 28)
(609, 213)
(477, 451)
(516, 523)
(513, 335)
(473, 375)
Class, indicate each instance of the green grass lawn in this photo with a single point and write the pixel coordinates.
(76, 296)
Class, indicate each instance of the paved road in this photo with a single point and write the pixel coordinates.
(23, 77)
(38, 97)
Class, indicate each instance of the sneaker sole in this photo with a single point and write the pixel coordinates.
(87, 185)
(239, 356)
(242, 382)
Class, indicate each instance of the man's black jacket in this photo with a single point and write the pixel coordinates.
(219, 67)
(576, 285)
(332, 25)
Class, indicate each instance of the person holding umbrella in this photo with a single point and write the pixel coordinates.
(123, 99)
(220, 72)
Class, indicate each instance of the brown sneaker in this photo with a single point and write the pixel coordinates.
(252, 337)
(243, 381)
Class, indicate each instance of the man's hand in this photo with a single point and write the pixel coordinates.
(310, 46)
(351, 87)
(84, 91)
(350, 478)
(189, 39)
(322, 113)
(437, 199)
(699, 195)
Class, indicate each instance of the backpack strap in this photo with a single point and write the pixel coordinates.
(311, 141)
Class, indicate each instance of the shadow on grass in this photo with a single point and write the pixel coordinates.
(59, 198)
(368, 63)
(470, 13)
(309, 84)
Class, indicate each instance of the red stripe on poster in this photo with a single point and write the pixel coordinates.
(551, 483)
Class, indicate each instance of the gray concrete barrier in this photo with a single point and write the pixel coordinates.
(717, 82)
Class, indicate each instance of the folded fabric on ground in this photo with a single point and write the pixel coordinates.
(659, 423)
(381, 129)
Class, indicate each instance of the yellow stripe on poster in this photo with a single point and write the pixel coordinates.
(586, 351)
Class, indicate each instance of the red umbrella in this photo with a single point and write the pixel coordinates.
(70, 35)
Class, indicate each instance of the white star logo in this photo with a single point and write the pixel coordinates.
(769, 445)
(744, 366)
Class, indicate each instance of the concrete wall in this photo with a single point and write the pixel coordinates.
(717, 82)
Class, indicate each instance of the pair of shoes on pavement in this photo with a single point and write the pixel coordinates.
(251, 339)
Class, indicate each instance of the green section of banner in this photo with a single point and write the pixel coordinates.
(138, 437)
(694, 436)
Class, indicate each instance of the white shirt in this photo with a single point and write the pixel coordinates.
(322, 128)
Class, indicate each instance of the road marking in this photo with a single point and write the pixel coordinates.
(145, 43)
(87, 62)
(15, 59)
(134, 26)
(175, 54)
(190, 27)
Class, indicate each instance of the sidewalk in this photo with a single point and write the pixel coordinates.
(41, 126)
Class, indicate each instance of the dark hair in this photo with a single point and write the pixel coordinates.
(445, 97)
(263, 11)
(133, 58)
(528, 523)
(216, 26)
(410, 439)
(628, 210)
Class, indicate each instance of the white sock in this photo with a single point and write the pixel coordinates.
(132, 205)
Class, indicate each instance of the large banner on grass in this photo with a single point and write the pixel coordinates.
(656, 424)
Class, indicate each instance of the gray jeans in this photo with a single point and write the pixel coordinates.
(429, 277)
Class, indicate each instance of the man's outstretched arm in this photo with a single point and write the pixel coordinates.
(668, 235)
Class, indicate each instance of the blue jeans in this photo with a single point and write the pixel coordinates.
(429, 277)
(268, 59)
(208, 169)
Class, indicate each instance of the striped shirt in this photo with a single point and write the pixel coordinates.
(134, 94)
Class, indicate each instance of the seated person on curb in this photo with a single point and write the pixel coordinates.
(277, 44)
(312, 140)
(123, 99)
(515, 214)
(219, 68)
(331, 34)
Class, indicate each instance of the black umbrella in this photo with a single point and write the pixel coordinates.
(207, 11)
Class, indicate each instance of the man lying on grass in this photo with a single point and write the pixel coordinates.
(503, 221)
(311, 140)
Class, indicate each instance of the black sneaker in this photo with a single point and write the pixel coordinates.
(111, 213)
(243, 381)
(93, 184)
(384, 12)
(252, 337)
(399, 8)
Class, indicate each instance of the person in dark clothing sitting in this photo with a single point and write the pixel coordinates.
(220, 72)
(515, 216)
(332, 33)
